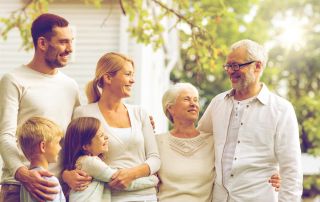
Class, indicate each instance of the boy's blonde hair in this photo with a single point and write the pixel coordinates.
(35, 130)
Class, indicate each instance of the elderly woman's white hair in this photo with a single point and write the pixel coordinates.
(170, 96)
(256, 52)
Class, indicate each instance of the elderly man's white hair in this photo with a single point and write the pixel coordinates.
(170, 96)
(256, 51)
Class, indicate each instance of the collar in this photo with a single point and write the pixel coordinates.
(262, 95)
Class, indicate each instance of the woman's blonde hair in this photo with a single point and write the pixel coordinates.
(109, 63)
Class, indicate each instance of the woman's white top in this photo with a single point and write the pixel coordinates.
(139, 148)
(187, 171)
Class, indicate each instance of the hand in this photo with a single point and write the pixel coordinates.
(152, 122)
(77, 180)
(121, 179)
(275, 181)
(36, 185)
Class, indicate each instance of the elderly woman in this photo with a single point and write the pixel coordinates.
(187, 171)
(132, 144)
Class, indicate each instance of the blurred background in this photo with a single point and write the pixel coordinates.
(187, 41)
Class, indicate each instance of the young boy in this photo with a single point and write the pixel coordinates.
(39, 139)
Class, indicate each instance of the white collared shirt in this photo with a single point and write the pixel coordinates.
(232, 136)
(268, 140)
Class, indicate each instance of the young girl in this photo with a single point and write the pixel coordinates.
(85, 142)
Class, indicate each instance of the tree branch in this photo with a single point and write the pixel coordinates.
(122, 7)
(178, 15)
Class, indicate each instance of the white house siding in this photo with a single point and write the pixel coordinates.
(98, 31)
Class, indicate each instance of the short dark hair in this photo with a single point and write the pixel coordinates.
(43, 25)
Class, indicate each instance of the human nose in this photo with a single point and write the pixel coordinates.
(132, 79)
(69, 47)
(193, 103)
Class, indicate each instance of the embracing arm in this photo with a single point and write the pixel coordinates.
(99, 170)
(96, 168)
(205, 122)
(10, 95)
(289, 154)
(151, 165)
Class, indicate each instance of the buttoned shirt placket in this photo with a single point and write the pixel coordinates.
(236, 121)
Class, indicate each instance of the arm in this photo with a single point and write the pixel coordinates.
(77, 180)
(143, 183)
(99, 170)
(205, 122)
(124, 177)
(96, 168)
(287, 148)
(10, 95)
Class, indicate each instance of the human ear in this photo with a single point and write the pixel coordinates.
(107, 78)
(170, 110)
(85, 147)
(42, 43)
(258, 66)
(42, 146)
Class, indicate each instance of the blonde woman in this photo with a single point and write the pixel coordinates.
(132, 145)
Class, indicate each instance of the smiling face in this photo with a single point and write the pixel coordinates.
(186, 106)
(59, 47)
(99, 143)
(122, 81)
(244, 77)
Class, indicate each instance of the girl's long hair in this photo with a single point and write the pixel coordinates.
(79, 133)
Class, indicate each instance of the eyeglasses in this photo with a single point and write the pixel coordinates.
(235, 66)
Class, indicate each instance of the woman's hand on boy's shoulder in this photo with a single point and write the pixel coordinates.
(40, 188)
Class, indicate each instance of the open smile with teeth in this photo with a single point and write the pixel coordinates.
(64, 55)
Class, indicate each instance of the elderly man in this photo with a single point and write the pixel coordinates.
(255, 133)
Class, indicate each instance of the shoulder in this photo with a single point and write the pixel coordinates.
(278, 102)
(13, 75)
(221, 96)
(207, 136)
(135, 108)
(87, 160)
(162, 136)
(138, 111)
(86, 110)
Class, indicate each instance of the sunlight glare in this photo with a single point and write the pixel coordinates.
(291, 33)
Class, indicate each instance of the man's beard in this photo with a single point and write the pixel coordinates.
(53, 62)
